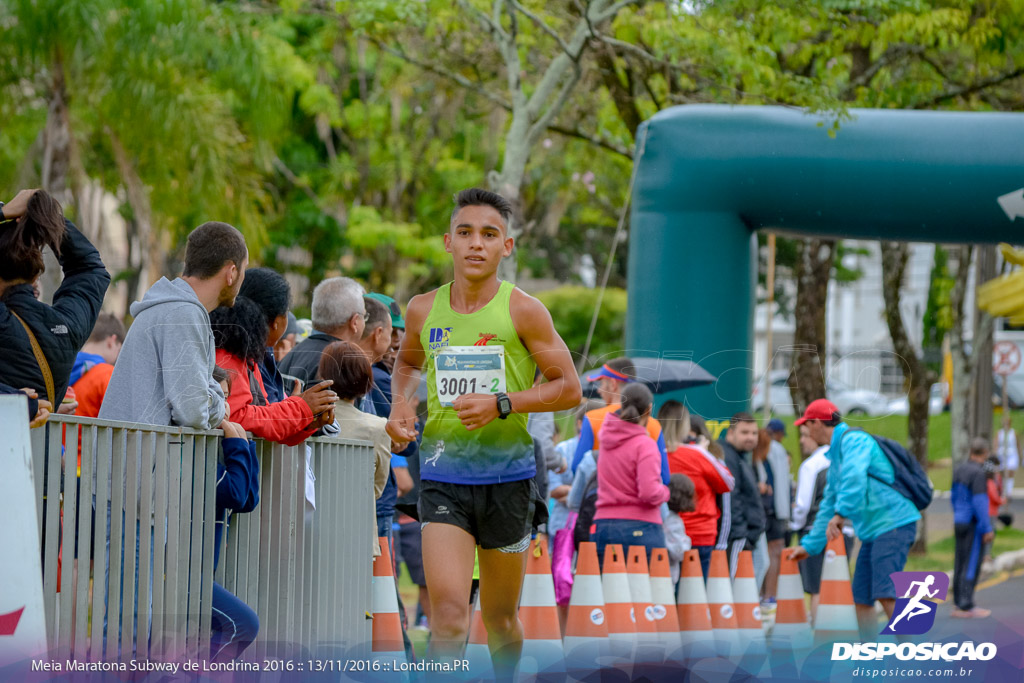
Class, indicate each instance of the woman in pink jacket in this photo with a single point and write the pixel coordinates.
(629, 488)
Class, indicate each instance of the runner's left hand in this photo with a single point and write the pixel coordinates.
(476, 410)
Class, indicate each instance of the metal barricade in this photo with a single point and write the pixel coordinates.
(306, 572)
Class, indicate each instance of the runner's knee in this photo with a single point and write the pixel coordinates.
(501, 621)
(449, 617)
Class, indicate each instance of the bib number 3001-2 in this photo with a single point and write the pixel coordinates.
(462, 370)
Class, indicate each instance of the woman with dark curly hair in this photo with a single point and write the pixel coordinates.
(240, 334)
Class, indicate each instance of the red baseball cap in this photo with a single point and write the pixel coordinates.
(821, 409)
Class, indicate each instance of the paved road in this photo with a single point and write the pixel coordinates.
(940, 517)
(1004, 595)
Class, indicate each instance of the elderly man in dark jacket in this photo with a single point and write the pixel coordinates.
(747, 519)
(31, 221)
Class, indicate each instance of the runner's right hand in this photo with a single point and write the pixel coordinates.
(319, 397)
(401, 425)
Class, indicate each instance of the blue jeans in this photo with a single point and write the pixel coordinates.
(878, 559)
(627, 532)
(705, 558)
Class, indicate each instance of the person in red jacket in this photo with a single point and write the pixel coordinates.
(629, 487)
(240, 335)
(711, 478)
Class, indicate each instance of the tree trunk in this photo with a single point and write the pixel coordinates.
(813, 269)
(960, 258)
(980, 408)
(149, 256)
(920, 378)
(56, 166)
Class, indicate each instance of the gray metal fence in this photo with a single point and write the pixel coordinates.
(306, 572)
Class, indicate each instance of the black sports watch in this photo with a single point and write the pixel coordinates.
(504, 406)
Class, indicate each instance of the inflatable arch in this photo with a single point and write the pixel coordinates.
(708, 176)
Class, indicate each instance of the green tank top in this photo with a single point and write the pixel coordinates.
(469, 348)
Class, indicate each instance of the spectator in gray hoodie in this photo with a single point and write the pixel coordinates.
(164, 375)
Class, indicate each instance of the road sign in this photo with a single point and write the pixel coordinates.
(1005, 358)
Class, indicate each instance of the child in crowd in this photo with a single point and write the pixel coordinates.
(235, 624)
(681, 498)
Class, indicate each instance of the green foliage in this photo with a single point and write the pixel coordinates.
(572, 309)
(334, 134)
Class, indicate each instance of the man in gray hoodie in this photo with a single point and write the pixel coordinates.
(164, 375)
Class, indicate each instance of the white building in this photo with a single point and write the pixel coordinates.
(858, 345)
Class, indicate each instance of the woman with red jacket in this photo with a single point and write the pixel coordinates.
(629, 488)
(240, 335)
(711, 478)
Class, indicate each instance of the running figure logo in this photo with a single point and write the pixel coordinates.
(914, 613)
(436, 455)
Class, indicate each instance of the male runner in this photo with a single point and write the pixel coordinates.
(480, 340)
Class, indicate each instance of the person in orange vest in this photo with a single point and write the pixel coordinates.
(612, 378)
(95, 363)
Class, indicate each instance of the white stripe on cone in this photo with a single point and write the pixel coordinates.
(661, 596)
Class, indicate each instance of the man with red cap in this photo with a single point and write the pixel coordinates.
(859, 491)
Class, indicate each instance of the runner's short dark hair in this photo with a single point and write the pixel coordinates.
(210, 247)
(107, 324)
(476, 196)
(349, 367)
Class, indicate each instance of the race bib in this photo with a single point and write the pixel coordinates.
(460, 370)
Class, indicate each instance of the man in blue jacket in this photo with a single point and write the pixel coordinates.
(971, 527)
(859, 492)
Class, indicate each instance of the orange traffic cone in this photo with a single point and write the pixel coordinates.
(586, 629)
(618, 603)
(836, 618)
(618, 609)
(386, 632)
(748, 605)
(692, 604)
(753, 646)
(723, 614)
(791, 630)
(542, 657)
(649, 648)
(666, 616)
(478, 655)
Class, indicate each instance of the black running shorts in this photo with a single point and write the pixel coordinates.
(498, 516)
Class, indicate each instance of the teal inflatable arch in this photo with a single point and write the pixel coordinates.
(708, 176)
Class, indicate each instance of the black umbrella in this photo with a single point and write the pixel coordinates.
(661, 375)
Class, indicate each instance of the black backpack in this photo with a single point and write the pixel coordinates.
(910, 479)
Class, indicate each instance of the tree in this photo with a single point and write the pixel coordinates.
(919, 377)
